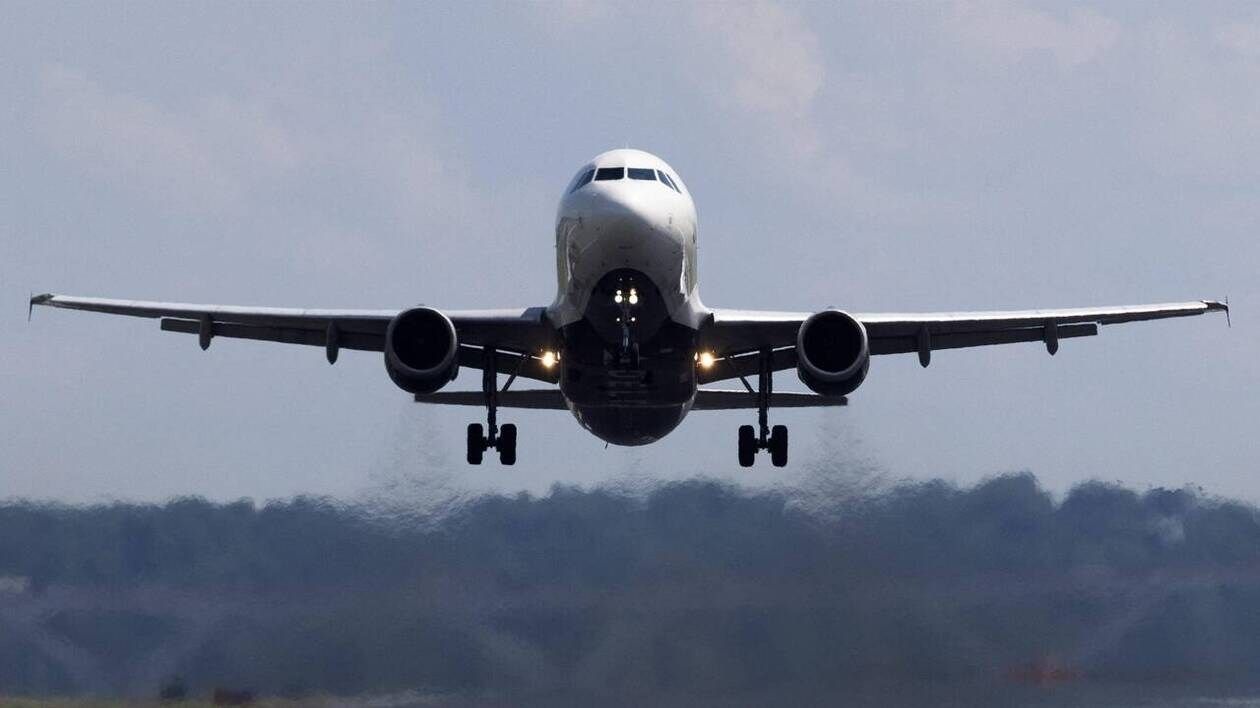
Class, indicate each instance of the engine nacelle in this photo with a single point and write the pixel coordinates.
(421, 350)
(833, 353)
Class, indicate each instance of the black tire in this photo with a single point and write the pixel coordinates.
(507, 444)
(476, 443)
(778, 445)
(747, 446)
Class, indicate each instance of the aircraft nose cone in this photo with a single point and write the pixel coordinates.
(627, 211)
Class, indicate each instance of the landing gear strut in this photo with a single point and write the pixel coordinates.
(501, 439)
(764, 438)
(627, 296)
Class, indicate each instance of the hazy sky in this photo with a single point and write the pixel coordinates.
(867, 156)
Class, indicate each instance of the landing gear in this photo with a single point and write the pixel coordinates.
(778, 446)
(507, 444)
(503, 440)
(477, 443)
(627, 297)
(747, 446)
(765, 438)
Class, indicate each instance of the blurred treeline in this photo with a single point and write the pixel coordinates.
(693, 589)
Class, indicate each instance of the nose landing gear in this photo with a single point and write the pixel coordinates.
(627, 297)
(765, 438)
(501, 439)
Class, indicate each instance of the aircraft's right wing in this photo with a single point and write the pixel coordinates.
(521, 334)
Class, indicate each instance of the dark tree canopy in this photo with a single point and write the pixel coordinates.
(691, 589)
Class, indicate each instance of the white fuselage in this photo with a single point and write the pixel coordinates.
(641, 224)
(627, 306)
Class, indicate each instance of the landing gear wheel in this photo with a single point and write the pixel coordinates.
(476, 443)
(778, 445)
(507, 444)
(747, 445)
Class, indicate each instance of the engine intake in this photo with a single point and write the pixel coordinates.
(421, 350)
(833, 353)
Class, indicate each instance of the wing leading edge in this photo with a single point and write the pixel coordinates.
(736, 335)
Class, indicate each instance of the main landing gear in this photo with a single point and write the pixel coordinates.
(764, 438)
(501, 439)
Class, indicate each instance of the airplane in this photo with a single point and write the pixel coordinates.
(627, 345)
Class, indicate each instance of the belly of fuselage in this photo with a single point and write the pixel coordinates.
(627, 369)
(629, 425)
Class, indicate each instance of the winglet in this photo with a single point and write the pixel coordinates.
(1222, 306)
(36, 300)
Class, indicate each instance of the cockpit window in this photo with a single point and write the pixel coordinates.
(582, 181)
(641, 173)
(606, 173)
(665, 178)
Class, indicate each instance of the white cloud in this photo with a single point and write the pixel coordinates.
(1199, 115)
(1012, 31)
(809, 117)
(221, 148)
(189, 157)
(776, 65)
(768, 65)
(1240, 37)
(574, 12)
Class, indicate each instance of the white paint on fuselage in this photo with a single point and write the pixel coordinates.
(626, 223)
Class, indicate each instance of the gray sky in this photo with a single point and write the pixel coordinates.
(872, 157)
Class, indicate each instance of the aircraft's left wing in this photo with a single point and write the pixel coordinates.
(737, 335)
(521, 333)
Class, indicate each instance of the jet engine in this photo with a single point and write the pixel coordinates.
(833, 353)
(421, 350)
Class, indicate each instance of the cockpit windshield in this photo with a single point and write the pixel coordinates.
(606, 174)
(581, 181)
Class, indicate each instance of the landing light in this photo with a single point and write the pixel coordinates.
(549, 359)
(634, 296)
(617, 298)
(706, 359)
